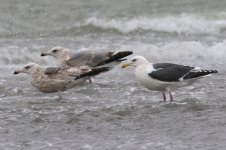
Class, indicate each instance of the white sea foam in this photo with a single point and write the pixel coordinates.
(15, 55)
(187, 52)
(181, 24)
(175, 51)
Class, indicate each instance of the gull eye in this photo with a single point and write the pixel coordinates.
(133, 60)
(27, 67)
(55, 50)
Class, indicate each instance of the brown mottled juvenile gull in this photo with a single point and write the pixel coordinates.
(165, 77)
(58, 79)
(86, 58)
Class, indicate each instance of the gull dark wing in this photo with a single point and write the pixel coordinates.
(164, 65)
(94, 59)
(169, 72)
(93, 72)
(116, 57)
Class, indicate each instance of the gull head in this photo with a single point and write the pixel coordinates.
(55, 52)
(28, 69)
(136, 61)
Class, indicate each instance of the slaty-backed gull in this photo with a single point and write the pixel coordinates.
(164, 77)
(58, 79)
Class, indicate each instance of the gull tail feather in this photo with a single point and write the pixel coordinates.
(116, 57)
(199, 73)
(93, 72)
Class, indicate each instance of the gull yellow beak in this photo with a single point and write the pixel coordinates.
(125, 65)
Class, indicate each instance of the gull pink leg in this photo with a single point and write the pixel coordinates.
(90, 81)
(164, 97)
(60, 98)
(171, 97)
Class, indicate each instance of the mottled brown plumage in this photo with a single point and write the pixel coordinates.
(56, 80)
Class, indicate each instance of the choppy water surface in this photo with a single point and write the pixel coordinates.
(114, 112)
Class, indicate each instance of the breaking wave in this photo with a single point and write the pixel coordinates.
(182, 24)
(188, 24)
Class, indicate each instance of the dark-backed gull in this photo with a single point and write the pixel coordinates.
(58, 79)
(165, 77)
